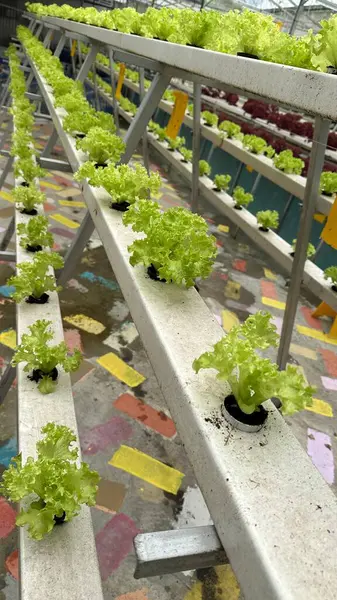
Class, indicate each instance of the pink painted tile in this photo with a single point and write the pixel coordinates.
(12, 564)
(311, 321)
(114, 542)
(240, 265)
(330, 361)
(268, 289)
(329, 383)
(277, 321)
(320, 452)
(111, 433)
(73, 339)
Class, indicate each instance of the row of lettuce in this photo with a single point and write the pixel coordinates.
(52, 485)
(287, 160)
(175, 248)
(232, 32)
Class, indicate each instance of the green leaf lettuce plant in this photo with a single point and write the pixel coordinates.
(204, 168)
(241, 197)
(221, 182)
(267, 219)
(211, 119)
(176, 247)
(286, 162)
(35, 279)
(28, 170)
(176, 143)
(34, 234)
(254, 379)
(101, 146)
(231, 130)
(311, 250)
(331, 274)
(42, 359)
(28, 198)
(254, 144)
(52, 486)
(328, 183)
(186, 153)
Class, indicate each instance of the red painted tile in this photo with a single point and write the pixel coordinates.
(48, 207)
(114, 542)
(268, 289)
(240, 265)
(72, 338)
(7, 518)
(219, 243)
(311, 321)
(330, 361)
(147, 415)
(63, 181)
(12, 564)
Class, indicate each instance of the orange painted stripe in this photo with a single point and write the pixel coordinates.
(268, 289)
(330, 361)
(156, 420)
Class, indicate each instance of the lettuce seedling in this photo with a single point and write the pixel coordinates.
(328, 183)
(285, 161)
(311, 250)
(176, 143)
(331, 273)
(187, 154)
(73, 102)
(241, 197)
(267, 219)
(28, 198)
(222, 182)
(253, 379)
(204, 168)
(153, 126)
(22, 145)
(102, 146)
(161, 134)
(123, 183)
(42, 359)
(28, 170)
(254, 144)
(82, 122)
(211, 119)
(325, 52)
(127, 105)
(52, 485)
(176, 245)
(159, 24)
(34, 235)
(190, 109)
(169, 96)
(34, 279)
(231, 130)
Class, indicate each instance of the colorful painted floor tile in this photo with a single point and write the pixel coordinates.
(317, 335)
(64, 221)
(232, 290)
(320, 452)
(7, 451)
(12, 564)
(229, 320)
(311, 321)
(63, 232)
(303, 351)
(108, 283)
(50, 186)
(70, 191)
(321, 408)
(84, 322)
(82, 372)
(72, 203)
(145, 467)
(7, 518)
(7, 196)
(273, 303)
(8, 338)
(118, 368)
(223, 228)
(269, 274)
(137, 595)
(268, 289)
(101, 436)
(114, 542)
(110, 496)
(7, 290)
(240, 265)
(145, 414)
(330, 361)
(329, 383)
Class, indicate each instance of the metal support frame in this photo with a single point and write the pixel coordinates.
(256, 183)
(54, 164)
(48, 38)
(50, 145)
(6, 170)
(164, 552)
(287, 207)
(317, 156)
(144, 113)
(210, 154)
(196, 145)
(145, 146)
(97, 104)
(113, 89)
(7, 235)
(60, 45)
(87, 64)
(236, 178)
(73, 63)
(76, 249)
(7, 256)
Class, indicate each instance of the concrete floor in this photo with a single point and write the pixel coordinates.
(243, 282)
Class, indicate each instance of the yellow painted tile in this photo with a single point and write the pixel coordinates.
(302, 351)
(223, 228)
(319, 217)
(38, 145)
(7, 196)
(64, 221)
(145, 467)
(50, 186)
(229, 320)
(316, 334)
(232, 290)
(8, 338)
(86, 323)
(69, 192)
(118, 368)
(74, 203)
(226, 586)
(320, 408)
(269, 274)
(157, 196)
(273, 303)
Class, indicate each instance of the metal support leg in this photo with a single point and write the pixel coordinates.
(256, 183)
(144, 140)
(76, 249)
(144, 113)
(6, 170)
(7, 256)
(196, 145)
(97, 105)
(164, 552)
(113, 89)
(210, 154)
(7, 235)
(6, 381)
(39, 30)
(285, 212)
(48, 38)
(310, 195)
(318, 249)
(50, 145)
(236, 178)
(60, 45)
(87, 64)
